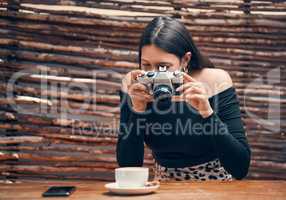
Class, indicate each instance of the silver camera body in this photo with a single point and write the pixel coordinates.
(162, 84)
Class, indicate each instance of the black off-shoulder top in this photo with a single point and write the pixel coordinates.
(180, 137)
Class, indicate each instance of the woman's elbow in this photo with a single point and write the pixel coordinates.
(129, 158)
(243, 170)
(240, 174)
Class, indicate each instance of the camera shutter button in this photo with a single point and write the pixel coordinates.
(150, 74)
(176, 73)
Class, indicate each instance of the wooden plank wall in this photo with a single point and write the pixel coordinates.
(58, 122)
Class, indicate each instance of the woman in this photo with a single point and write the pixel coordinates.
(200, 135)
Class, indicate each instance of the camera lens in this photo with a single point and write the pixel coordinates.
(162, 92)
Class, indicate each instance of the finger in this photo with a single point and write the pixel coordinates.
(186, 86)
(139, 92)
(193, 90)
(140, 97)
(135, 73)
(188, 78)
(177, 98)
(130, 78)
(137, 86)
(194, 96)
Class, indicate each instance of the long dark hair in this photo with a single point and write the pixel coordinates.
(172, 36)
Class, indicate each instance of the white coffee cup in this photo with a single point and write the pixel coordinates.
(131, 176)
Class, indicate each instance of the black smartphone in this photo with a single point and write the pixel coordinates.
(59, 191)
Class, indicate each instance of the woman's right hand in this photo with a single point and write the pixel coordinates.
(138, 92)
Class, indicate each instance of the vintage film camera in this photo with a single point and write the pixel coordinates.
(162, 84)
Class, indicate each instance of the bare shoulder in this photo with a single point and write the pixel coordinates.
(216, 79)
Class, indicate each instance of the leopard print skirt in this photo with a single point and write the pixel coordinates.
(212, 170)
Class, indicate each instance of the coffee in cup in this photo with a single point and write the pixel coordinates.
(131, 176)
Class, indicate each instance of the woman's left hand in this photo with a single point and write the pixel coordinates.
(195, 93)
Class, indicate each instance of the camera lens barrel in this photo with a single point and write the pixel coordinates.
(162, 92)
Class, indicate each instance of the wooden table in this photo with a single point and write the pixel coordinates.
(210, 190)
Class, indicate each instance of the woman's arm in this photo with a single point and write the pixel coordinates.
(130, 143)
(228, 136)
(224, 126)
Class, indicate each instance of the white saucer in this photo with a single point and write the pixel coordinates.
(114, 188)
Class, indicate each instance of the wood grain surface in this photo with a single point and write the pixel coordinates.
(87, 190)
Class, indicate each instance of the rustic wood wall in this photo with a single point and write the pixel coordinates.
(58, 122)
